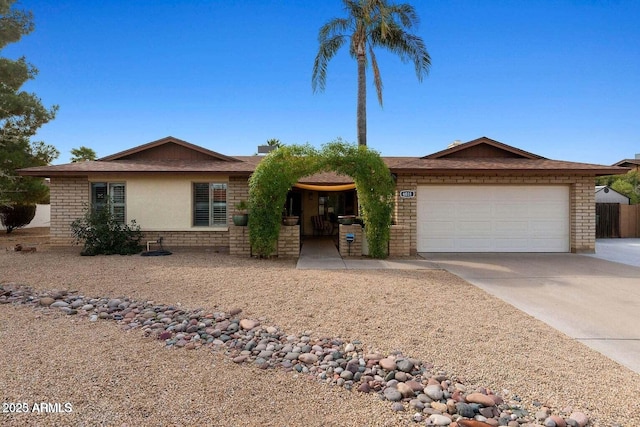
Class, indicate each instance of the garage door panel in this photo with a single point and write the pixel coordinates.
(507, 228)
(472, 245)
(492, 218)
(508, 245)
(466, 210)
(439, 209)
(437, 228)
(547, 210)
(546, 228)
(473, 229)
(510, 193)
(548, 245)
(509, 211)
(437, 245)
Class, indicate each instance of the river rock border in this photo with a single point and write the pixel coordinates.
(432, 398)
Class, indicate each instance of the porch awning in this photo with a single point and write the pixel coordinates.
(341, 187)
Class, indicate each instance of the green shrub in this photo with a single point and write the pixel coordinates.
(268, 187)
(102, 234)
(16, 216)
(283, 167)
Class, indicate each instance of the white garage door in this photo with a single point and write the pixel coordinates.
(492, 218)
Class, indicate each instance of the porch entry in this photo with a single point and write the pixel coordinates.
(319, 207)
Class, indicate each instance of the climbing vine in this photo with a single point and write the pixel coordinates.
(282, 168)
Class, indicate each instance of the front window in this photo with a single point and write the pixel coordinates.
(103, 192)
(209, 204)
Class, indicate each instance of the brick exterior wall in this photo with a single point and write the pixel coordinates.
(400, 241)
(237, 190)
(583, 215)
(289, 242)
(356, 245)
(70, 197)
(581, 198)
(239, 240)
(69, 200)
(211, 239)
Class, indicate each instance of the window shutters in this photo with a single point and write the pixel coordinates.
(209, 204)
(201, 204)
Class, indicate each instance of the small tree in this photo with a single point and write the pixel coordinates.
(82, 154)
(101, 233)
(16, 216)
(627, 184)
(21, 115)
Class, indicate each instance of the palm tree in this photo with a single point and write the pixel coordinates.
(370, 24)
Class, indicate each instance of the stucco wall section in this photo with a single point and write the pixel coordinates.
(581, 196)
(161, 205)
(69, 199)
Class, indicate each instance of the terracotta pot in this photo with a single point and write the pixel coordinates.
(290, 220)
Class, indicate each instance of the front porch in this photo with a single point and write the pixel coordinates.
(291, 243)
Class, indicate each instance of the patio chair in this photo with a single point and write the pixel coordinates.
(319, 225)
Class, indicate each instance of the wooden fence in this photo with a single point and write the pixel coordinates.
(629, 220)
(607, 220)
(616, 220)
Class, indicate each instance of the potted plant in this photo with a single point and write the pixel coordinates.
(241, 217)
(288, 218)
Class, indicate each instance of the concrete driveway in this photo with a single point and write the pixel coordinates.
(625, 251)
(592, 300)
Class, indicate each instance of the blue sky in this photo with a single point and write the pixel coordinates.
(558, 78)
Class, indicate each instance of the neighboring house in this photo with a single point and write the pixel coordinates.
(41, 219)
(633, 164)
(480, 196)
(606, 194)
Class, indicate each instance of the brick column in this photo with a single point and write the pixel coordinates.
(356, 245)
(69, 201)
(400, 241)
(583, 215)
(239, 241)
(289, 242)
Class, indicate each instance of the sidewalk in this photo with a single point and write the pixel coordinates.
(322, 254)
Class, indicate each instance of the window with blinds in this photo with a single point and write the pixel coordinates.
(209, 204)
(102, 192)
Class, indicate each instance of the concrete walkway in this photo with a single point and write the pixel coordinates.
(322, 254)
(594, 301)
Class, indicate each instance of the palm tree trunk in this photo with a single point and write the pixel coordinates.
(362, 99)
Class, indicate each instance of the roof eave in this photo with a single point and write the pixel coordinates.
(501, 171)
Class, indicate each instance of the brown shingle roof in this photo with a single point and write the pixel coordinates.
(628, 163)
(492, 149)
(439, 163)
(499, 165)
(240, 167)
(134, 153)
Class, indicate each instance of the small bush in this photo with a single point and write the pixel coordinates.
(16, 216)
(102, 234)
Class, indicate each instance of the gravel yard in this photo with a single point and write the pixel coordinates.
(112, 377)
